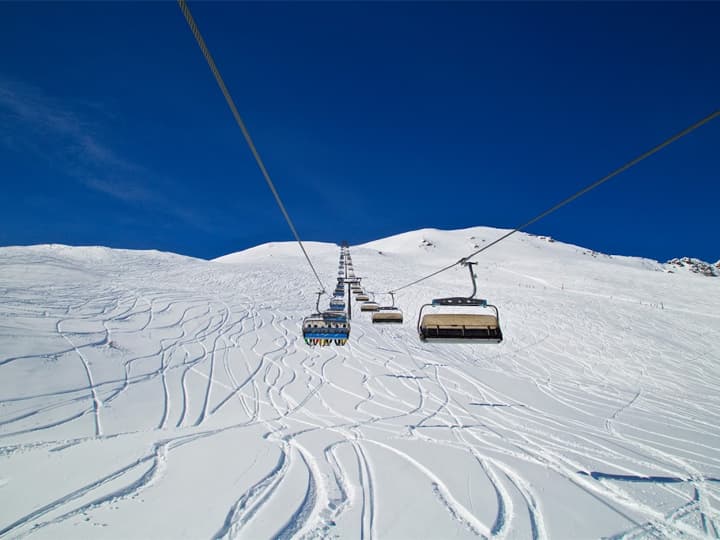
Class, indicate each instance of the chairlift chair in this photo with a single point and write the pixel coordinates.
(457, 326)
(369, 306)
(388, 314)
(335, 315)
(326, 328)
(320, 330)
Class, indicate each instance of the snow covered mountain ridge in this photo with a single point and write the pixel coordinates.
(428, 240)
(151, 395)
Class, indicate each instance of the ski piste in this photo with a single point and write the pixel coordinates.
(151, 395)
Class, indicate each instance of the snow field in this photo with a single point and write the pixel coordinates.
(149, 395)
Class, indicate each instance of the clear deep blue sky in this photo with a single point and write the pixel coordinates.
(373, 119)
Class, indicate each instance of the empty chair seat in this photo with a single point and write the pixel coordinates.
(460, 327)
(387, 316)
(369, 306)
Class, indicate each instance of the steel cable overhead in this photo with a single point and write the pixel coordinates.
(568, 200)
(241, 124)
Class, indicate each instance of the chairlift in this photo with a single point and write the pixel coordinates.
(457, 326)
(388, 314)
(369, 306)
(326, 328)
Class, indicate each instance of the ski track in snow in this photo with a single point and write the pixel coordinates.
(123, 373)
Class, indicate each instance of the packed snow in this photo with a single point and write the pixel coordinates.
(150, 395)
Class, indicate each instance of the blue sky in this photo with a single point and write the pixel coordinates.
(373, 119)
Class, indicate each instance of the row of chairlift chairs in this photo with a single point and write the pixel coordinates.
(380, 314)
(333, 327)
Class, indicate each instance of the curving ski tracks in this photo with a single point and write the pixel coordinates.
(190, 377)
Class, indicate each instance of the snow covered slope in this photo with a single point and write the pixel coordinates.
(149, 395)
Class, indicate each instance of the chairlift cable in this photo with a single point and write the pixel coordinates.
(241, 124)
(568, 200)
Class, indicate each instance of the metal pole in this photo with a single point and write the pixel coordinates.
(349, 304)
(472, 276)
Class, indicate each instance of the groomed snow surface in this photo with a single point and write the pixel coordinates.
(149, 395)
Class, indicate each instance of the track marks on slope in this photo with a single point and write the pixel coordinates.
(222, 359)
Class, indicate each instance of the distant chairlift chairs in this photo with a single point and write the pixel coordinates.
(388, 314)
(457, 326)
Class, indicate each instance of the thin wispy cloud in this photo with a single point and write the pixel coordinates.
(35, 123)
